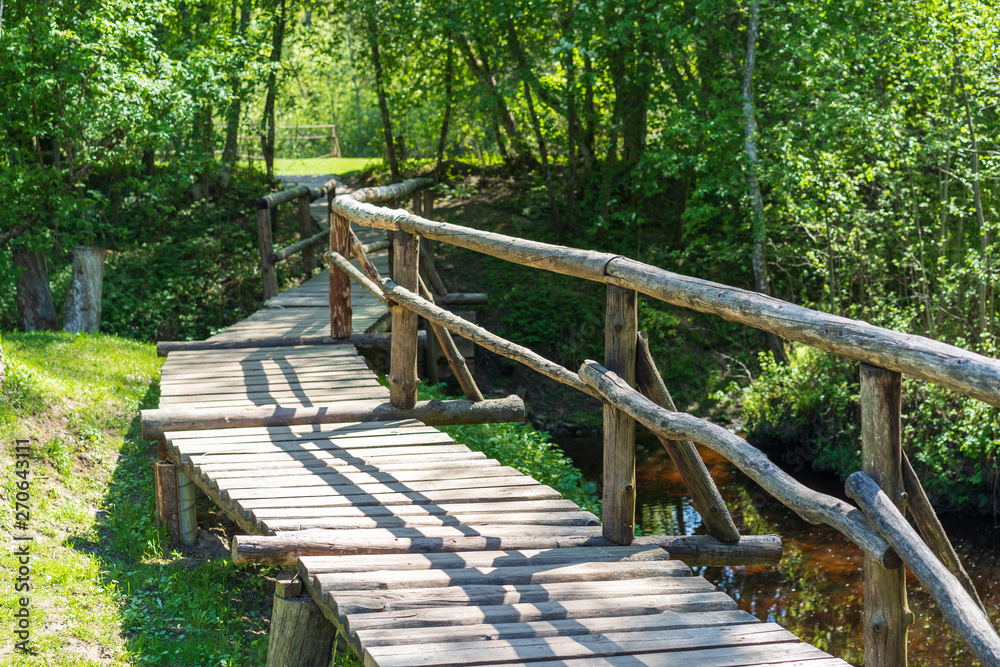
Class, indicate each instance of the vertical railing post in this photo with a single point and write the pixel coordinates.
(886, 614)
(340, 282)
(305, 231)
(266, 244)
(620, 333)
(403, 354)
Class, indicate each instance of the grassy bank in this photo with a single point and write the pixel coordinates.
(108, 588)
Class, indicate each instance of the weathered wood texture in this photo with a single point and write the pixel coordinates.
(266, 245)
(362, 340)
(705, 494)
(696, 550)
(167, 506)
(187, 519)
(340, 283)
(620, 322)
(156, 422)
(301, 635)
(83, 301)
(403, 357)
(966, 372)
(811, 505)
(389, 290)
(932, 531)
(450, 350)
(959, 608)
(306, 238)
(887, 617)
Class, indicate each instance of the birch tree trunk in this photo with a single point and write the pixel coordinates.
(759, 226)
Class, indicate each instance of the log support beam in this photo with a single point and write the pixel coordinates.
(266, 244)
(167, 506)
(887, 617)
(301, 636)
(403, 356)
(705, 494)
(340, 283)
(620, 334)
(187, 520)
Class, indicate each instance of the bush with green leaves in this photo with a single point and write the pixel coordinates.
(808, 413)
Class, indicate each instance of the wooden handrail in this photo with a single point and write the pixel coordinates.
(811, 505)
(960, 370)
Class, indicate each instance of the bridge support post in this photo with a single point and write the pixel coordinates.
(301, 636)
(266, 244)
(187, 494)
(165, 479)
(340, 282)
(403, 354)
(620, 335)
(887, 617)
(305, 231)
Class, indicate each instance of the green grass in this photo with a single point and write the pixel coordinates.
(107, 588)
(324, 165)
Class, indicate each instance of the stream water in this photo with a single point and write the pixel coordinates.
(817, 591)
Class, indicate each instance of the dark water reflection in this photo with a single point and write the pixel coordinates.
(817, 591)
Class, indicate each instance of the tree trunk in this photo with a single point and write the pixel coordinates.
(449, 72)
(34, 298)
(83, 303)
(590, 122)
(480, 68)
(759, 227)
(357, 93)
(277, 36)
(572, 122)
(547, 172)
(390, 144)
(235, 104)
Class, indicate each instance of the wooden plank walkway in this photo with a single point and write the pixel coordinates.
(445, 557)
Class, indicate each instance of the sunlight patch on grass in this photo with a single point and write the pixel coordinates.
(323, 165)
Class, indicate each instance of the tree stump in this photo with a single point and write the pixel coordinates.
(301, 636)
(34, 298)
(83, 303)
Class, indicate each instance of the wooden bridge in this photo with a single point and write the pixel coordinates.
(419, 551)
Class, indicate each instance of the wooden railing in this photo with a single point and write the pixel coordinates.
(632, 390)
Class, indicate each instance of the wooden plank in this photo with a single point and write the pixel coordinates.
(311, 565)
(346, 488)
(356, 441)
(373, 455)
(353, 602)
(667, 620)
(333, 444)
(264, 466)
(787, 654)
(278, 396)
(620, 335)
(626, 606)
(221, 470)
(314, 477)
(251, 387)
(597, 645)
(331, 584)
(507, 518)
(344, 429)
(435, 509)
(538, 492)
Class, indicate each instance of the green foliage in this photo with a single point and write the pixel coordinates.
(529, 451)
(807, 413)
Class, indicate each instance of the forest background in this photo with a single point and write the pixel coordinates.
(838, 154)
